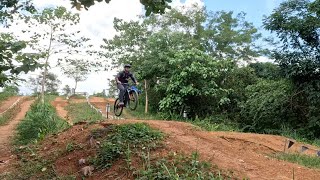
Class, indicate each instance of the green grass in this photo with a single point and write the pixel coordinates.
(81, 112)
(4, 96)
(116, 143)
(32, 166)
(9, 115)
(177, 167)
(215, 123)
(302, 159)
(40, 121)
(288, 132)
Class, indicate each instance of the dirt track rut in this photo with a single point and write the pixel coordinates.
(7, 132)
(244, 154)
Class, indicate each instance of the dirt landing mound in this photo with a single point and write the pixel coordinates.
(7, 132)
(246, 155)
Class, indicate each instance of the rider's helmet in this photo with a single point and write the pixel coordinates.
(127, 66)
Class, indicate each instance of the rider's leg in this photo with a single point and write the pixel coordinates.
(126, 95)
(121, 94)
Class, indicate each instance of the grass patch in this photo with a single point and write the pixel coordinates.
(32, 166)
(40, 120)
(302, 159)
(177, 167)
(288, 132)
(214, 123)
(10, 114)
(77, 96)
(5, 95)
(80, 112)
(135, 137)
(135, 142)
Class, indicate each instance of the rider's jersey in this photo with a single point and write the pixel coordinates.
(124, 76)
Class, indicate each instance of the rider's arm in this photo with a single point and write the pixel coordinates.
(117, 78)
(133, 78)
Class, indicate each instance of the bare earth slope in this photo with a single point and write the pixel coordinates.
(244, 154)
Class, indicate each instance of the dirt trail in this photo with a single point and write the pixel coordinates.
(244, 154)
(7, 132)
(7, 103)
(60, 103)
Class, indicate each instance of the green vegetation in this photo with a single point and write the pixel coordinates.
(81, 112)
(190, 58)
(33, 166)
(177, 167)
(133, 136)
(137, 141)
(10, 114)
(40, 121)
(302, 159)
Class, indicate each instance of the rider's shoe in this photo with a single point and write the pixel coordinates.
(121, 104)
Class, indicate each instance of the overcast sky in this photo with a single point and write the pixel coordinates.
(97, 23)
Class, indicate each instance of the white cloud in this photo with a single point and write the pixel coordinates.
(97, 23)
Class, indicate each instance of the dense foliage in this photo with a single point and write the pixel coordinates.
(195, 60)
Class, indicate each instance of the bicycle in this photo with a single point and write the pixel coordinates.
(130, 99)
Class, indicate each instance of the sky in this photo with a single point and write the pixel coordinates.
(97, 23)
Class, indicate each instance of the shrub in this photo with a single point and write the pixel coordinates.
(40, 120)
(267, 107)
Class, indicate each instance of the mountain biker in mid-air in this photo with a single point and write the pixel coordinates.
(122, 82)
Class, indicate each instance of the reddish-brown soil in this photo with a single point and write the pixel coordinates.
(7, 103)
(6, 134)
(246, 155)
(60, 104)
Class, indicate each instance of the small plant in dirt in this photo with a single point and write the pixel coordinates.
(125, 138)
(177, 167)
(40, 120)
(302, 159)
(81, 112)
(70, 147)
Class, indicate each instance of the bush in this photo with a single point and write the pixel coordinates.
(40, 120)
(267, 107)
(133, 136)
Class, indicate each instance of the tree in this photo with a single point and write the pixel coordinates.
(151, 6)
(51, 85)
(266, 70)
(11, 89)
(113, 90)
(77, 69)
(54, 38)
(176, 54)
(296, 23)
(13, 59)
(66, 90)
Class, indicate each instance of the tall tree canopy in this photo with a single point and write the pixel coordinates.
(151, 6)
(185, 55)
(297, 25)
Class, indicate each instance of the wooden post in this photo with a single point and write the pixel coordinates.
(146, 92)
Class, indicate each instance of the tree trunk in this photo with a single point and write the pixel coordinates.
(75, 87)
(146, 92)
(46, 68)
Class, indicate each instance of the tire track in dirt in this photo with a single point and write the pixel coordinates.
(6, 134)
(7, 103)
(244, 154)
(60, 103)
